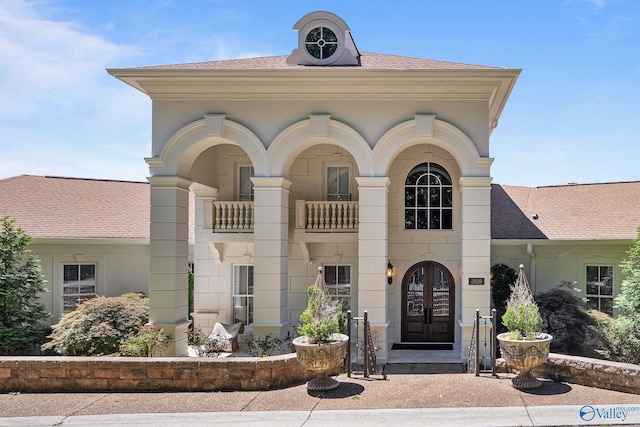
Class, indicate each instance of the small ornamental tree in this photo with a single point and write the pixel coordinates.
(625, 329)
(99, 326)
(21, 280)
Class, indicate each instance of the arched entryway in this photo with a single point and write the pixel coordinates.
(428, 303)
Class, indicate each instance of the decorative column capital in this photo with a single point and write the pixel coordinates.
(204, 191)
(475, 181)
(365, 182)
(169, 182)
(271, 183)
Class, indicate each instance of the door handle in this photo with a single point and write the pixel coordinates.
(430, 311)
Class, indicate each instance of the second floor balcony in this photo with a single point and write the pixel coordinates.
(310, 216)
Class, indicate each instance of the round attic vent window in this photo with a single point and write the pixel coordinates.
(321, 42)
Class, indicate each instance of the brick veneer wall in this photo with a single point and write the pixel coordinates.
(121, 374)
(604, 374)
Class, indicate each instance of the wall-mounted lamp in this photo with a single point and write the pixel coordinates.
(390, 273)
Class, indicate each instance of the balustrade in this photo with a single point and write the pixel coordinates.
(233, 216)
(327, 216)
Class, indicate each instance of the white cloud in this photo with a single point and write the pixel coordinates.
(60, 112)
(47, 61)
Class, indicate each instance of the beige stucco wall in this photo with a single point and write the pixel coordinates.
(120, 268)
(370, 118)
(548, 264)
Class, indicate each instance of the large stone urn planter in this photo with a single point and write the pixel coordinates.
(323, 359)
(525, 356)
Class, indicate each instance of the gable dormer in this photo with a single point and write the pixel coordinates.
(323, 39)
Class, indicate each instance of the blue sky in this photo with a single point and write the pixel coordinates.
(574, 115)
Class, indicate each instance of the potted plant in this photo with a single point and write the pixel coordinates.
(320, 347)
(525, 346)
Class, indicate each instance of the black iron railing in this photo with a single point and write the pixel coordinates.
(482, 349)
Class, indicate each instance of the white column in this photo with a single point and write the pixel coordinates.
(271, 255)
(476, 252)
(210, 289)
(373, 256)
(169, 259)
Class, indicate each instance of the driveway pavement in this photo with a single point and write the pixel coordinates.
(401, 399)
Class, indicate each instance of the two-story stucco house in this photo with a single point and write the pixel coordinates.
(326, 157)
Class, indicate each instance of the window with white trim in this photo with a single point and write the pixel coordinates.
(243, 294)
(428, 198)
(338, 183)
(337, 278)
(78, 285)
(244, 185)
(599, 288)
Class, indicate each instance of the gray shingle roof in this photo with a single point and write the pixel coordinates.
(608, 211)
(372, 61)
(71, 208)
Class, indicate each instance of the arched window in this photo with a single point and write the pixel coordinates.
(428, 198)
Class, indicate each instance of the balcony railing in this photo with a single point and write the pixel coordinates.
(233, 216)
(314, 216)
(327, 216)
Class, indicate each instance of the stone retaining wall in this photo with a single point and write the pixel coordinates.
(128, 374)
(603, 374)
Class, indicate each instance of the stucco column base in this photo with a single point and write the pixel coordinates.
(205, 320)
(178, 333)
(277, 330)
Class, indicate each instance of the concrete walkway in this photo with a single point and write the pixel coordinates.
(402, 399)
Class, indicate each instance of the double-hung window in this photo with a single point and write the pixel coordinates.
(78, 284)
(337, 278)
(244, 186)
(337, 188)
(600, 288)
(243, 294)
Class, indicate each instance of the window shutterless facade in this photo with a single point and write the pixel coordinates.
(337, 179)
(338, 281)
(599, 288)
(78, 285)
(244, 186)
(243, 294)
(428, 198)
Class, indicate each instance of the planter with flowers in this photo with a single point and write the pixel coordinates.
(320, 347)
(525, 346)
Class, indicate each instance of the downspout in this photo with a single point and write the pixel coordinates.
(532, 273)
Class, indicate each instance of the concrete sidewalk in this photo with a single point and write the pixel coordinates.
(438, 399)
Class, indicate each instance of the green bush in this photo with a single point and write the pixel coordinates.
(502, 277)
(320, 319)
(565, 316)
(264, 346)
(21, 282)
(148, 341)
(99, 326)
(522, 317)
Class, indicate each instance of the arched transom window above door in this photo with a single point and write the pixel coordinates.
(428, 198)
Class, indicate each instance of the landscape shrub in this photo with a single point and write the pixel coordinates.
(566, 317)
(502, 277)
(21, 282)
(148, 341)
(624, 332)
(98, 326)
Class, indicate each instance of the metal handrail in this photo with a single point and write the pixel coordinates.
(474, 346)
(369, 351)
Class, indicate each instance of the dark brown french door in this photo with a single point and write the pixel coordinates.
(428, 302)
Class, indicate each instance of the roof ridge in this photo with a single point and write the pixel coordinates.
(92, 179)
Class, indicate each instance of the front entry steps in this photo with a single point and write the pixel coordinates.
(425, 368)
(425, 361)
